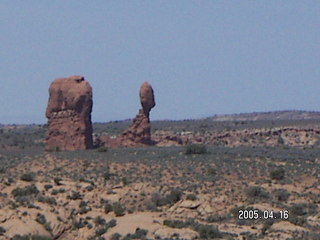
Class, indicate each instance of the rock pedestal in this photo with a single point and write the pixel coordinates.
(139, 133)
(69, 114)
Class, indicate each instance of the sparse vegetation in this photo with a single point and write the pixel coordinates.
(118, 209)
(195, 149)
(2, 231)
(191, 197)
(28, 177)
(256, 193)
(277, 174)
(157, 179)
(26, 191)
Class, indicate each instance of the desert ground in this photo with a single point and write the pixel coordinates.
(205, 179)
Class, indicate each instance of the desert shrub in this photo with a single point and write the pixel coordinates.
(2, 231)
(254, 193)
(47, 226)
(75, 196)
(99, 221)
(101, 230)
(83, 204)
(47, 187)
(84, 210)
(28, 177)
(125, 181)
(216, 218)
(57, 181)
(89, 188)
(118, 209)
(41, 219)
(301, 209)
(102, 149)
(211, 171)
(281, 195)
(81, 223)
(174, 196)
(107, 207)
(191, 197)
(116, 236)
(112, 223)
(54, 192)
(171, 198)
(23, 200)
(49, 200)
(139, 234)
(277, 174)
(266, 225)
(296, 220)
(298, 209)
(175, 223)
(19, 237)
(28, 190)
(195, 149)
(208, 232)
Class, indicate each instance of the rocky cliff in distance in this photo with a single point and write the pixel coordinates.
(69, 114)
(266, 116)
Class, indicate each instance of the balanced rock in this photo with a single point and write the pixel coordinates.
(139, 133)
(69, 114)
(146, 98)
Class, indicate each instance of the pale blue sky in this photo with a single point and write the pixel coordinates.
(201, 57)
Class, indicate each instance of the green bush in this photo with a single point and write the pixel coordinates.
(195, 149)
(28, 177)
(81, 223)
(49, 200)
(101, 230)
(255, 192)
(277, 174)
(191, 197)
(171, 198)
(112, 223)
(216, 218)
(19, 237)
(209, 232)
(47, 186)
(57, 181)
(175, 223)
(107, 207)
(75, 196)
(116, 236)
(174, 196)
(102, 149)
(41, 219)
(281, 195)
(2, 231)
(28, 190)
(99, 221)
(118, 209)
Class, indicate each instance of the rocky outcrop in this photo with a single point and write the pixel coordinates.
(69, 114)
(139, 133)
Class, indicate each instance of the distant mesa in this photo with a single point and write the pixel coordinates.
(139, 132)
(69, 114)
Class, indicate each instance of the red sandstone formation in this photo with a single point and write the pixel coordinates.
(139, 133)
(69, 114)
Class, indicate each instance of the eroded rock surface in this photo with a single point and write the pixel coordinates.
(139, 133)
(69, 114)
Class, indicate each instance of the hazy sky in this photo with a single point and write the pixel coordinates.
(201, 57)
